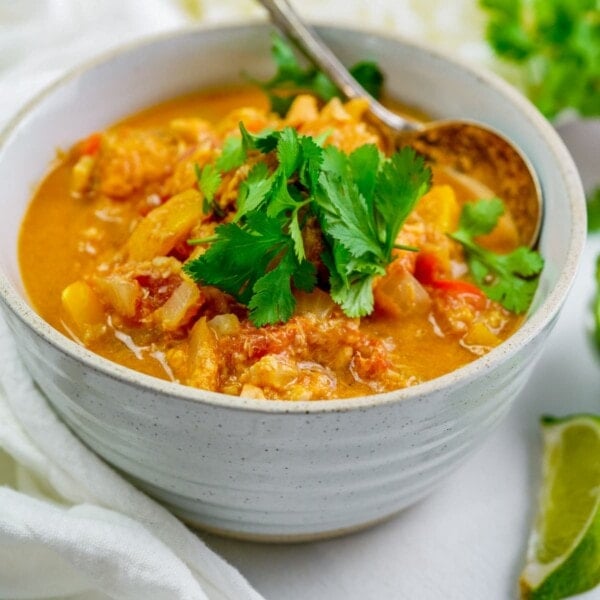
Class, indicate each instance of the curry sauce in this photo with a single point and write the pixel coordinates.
(104, 241)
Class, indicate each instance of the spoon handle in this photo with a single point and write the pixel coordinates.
(285, 18)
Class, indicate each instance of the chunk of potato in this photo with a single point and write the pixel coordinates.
(480, 335)
(165, 227)
(83, 312)
(440, 208)
(82, 174)
(203, 364)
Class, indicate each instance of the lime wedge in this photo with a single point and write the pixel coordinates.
(563, 557)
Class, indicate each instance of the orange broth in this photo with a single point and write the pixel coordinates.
(89, 277)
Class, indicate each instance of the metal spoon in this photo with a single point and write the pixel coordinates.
(481, 158)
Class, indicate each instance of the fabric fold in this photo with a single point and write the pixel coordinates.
(91, 530)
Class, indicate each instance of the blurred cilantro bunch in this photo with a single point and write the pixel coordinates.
(557, 43)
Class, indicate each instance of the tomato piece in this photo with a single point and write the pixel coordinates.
(91, 145)
(427, 268)
(460, 288)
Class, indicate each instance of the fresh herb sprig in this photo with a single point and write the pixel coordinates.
(593, 211)
(557, 42)
(596, 305)
(292, 78)
(359, 200)
(510, 279)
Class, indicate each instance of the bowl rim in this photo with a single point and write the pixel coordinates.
(533, 325)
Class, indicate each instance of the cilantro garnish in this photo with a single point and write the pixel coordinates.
(593, 210)
(209, 180)
(596, 306)
(359, 201)
(291, 78)
(510, 279)
(558, 44)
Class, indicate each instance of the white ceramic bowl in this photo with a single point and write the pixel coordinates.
(262, 469)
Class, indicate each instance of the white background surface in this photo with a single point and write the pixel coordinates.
(468, 539)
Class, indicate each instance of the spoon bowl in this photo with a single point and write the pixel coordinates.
(487, 162)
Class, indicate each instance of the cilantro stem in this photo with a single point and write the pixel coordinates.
(405, 247)
(205, 240)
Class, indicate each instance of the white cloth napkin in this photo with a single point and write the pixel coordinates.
(70, 526)
(76, 527)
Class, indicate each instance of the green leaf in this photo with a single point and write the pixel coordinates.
(356, 298)
(288, 151)
(232, 155)
(593, 211)
(272, 300)
(556, 45)
(479, 218)
(347, 217)
(263, 142)
(284, 58)
(334, 162)
(208, 179)
(510, 279)
(596, 305)
(254, 190)
(239, 256)
(364, 163)
(312, 160)
(291, 78)
(305, 276)
(401, 181)
(368, 74)
(260, 257)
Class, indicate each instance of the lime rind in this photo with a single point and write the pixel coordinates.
(577, 567)
(578, 573)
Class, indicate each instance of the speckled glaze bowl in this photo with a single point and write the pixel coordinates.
(263, 469)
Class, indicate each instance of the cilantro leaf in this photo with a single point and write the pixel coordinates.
(291, 78)
(510, 279)
(557, 45)
(346, 216)
(359, 201)
(254, 263)
(288, 151)
(361, 216)
(596, 306)
(312, 159)
(364, 163)
(263, 142)
(368, 74)
(273, 301)
(233, 154)
(209, 180)
(593, 211)
(253, 189)
(402, 180)
(479, 218)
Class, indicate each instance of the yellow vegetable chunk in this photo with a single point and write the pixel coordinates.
(179, 308)
(203, 364)
(439, 208)
(83, 312)
(165, 226)
(122, 294)
(480, 335)
(82, 173)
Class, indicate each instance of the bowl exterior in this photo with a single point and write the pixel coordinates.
(273, 475)
(276, 470)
